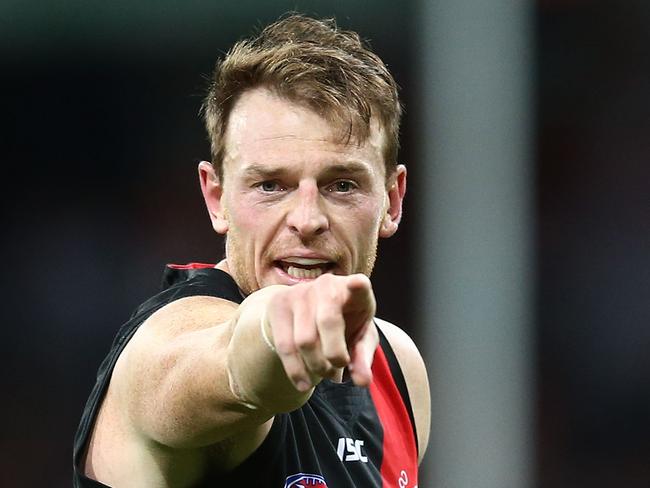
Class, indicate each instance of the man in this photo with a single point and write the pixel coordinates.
(269, 369)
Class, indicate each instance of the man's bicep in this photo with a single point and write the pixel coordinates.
(172, 380)
(189, 314)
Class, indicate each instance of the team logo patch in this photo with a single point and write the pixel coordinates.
(303, 480)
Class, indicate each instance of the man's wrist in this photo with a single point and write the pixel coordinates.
(265, 329)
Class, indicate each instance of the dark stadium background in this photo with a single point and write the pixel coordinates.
(99, 142)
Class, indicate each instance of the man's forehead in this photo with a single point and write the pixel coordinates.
(260, 115)
(270, 169)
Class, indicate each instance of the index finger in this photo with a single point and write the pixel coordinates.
(362, 355)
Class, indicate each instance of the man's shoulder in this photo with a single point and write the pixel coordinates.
(184, 281)
(407, 353)
(189, 314)
(398, 338)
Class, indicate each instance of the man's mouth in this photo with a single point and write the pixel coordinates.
(304, 268)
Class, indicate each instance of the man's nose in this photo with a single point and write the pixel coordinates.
(307, 217)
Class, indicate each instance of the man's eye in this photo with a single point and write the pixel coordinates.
(342, 186)
(269, 186)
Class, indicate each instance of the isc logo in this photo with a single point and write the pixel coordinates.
(350, 450)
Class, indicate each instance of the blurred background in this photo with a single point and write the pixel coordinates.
(99, 143)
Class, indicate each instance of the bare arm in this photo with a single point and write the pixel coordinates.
(199, 371)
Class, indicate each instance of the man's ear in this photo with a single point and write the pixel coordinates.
(212, 190)
(395, 191)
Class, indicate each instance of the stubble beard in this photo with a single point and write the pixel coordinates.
(237, 266)
(239, 270)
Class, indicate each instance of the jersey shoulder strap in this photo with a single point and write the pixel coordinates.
(398, 378)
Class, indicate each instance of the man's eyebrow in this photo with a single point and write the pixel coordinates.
(352, 168)
(256, 170)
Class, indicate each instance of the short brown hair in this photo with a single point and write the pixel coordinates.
(311, 62)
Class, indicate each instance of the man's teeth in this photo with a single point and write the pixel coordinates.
(302, 273)
(306, 261)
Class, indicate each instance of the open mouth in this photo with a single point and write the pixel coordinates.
(304, 268)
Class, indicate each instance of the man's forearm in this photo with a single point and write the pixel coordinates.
(256, 375)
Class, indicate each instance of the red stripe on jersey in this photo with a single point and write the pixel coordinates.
(399, 467)
(191, 266)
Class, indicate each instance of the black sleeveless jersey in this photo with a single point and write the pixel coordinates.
(345, 436)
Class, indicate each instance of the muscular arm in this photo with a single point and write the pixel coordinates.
(198, 371)
(172, 378)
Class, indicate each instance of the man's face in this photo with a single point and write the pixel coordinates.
(295, 201)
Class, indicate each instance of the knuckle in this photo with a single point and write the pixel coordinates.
(307, 342)
(294, 369)
(283, 296)
(329, 319)
(337, 353)
(321, 367)
(340, 361)
(362, 279)
(296, 377)
(284, 347)
(306, 335)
